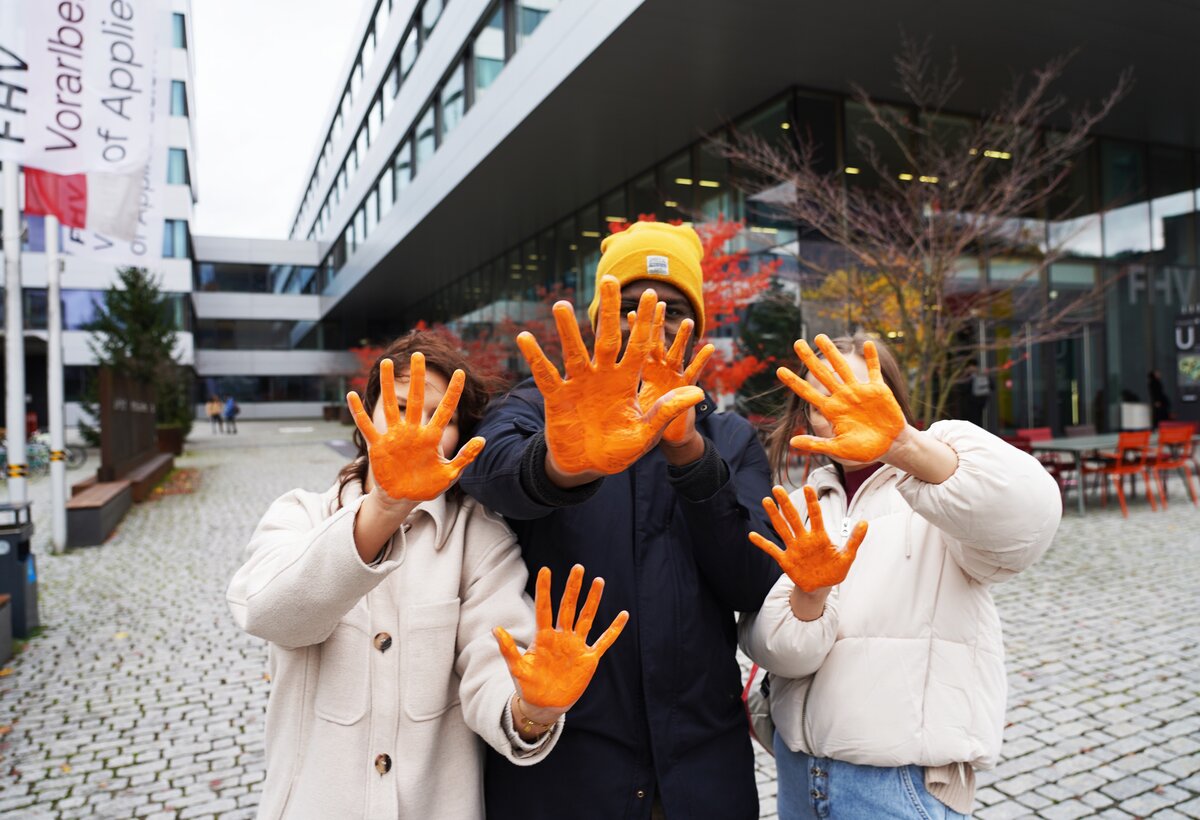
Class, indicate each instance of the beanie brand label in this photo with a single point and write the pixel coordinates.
(657, 266)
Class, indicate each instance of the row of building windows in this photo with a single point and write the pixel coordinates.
(1129, 198)
(330, 389)
(248, 278)
(505, 27)
(81, 307)
(424, 17)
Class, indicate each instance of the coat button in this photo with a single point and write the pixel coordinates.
(641, 793)
(383, 642)
(383, 764)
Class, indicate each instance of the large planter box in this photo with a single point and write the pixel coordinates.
(170, 440)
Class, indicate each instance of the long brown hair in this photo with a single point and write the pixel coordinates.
(795, 412)
(442, 355)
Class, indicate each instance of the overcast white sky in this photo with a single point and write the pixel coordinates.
(266, 73)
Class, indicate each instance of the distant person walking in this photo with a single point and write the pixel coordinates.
(213, 410)
(231, 412)
(1160, 402)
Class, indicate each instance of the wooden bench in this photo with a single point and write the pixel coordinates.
(80, 486)
(145, 476)
(94, 513)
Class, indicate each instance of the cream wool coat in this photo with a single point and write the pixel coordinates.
(906, 664)
(338, 702)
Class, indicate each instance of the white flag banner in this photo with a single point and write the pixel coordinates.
(77, 81)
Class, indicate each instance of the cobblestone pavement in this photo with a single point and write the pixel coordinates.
(141, 698)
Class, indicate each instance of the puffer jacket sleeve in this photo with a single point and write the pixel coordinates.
(302, 572)
(999, 510)
(493, 594)
(781, 643)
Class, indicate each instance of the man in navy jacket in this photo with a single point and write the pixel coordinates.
(661, 730)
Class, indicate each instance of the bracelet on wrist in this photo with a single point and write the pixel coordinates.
(529, 726)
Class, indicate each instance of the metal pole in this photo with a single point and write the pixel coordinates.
(14, 336)
(54, 389)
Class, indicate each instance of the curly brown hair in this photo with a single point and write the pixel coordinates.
(442, 354)
(795, 413)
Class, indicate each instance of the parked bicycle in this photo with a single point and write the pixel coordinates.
(37, 456)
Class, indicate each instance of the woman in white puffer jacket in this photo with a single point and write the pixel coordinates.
(886, 656)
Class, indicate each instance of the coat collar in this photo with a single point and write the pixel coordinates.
(437, 509)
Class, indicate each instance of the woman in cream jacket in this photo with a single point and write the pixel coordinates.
(886, 657)
(379, 598)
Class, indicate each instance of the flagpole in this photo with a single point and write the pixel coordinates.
(54, 389)
(14, 336)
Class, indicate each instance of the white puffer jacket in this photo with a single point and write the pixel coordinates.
(906, 665)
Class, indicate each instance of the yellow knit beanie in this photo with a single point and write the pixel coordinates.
(654, 251)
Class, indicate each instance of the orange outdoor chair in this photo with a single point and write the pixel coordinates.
(1132, 458)
(1174, 453)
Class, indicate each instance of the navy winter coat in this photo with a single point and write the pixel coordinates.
(663, 714)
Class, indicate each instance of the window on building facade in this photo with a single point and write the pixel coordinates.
(372, 209)
(387, 191)
(381, 16)
(178, 30)
(488, 51)
(368, 50)
(175, 239)
(530, 14)
(431, 12)
(360, 225)
(179, 107)
(177, 167)
(356, 77)
(408, 50)
(1172, 206)
(425, 138)
(453, 98)
(1124, 183)
(402, 167)
(391, 87)
(375, 121)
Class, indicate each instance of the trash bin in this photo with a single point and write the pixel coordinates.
(18, 571)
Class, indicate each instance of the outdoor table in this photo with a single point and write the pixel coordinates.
(1080, 446)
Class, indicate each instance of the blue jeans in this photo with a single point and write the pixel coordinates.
(818, 787)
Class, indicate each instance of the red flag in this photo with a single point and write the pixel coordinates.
(63, 196)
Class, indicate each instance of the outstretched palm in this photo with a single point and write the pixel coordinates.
(865, 416)
(406, 459)
(593, 419)
(810, 560)
(559, 664)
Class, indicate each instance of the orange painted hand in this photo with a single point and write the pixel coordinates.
(865, 416)
(810, 560)
(559, 664)
(406, 459)
(664, 372)
(593, 419)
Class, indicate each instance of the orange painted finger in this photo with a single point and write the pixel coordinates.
(416, 389)
(584, 625)
(361, 420)
(575, 353)
(543, 609)
(801, 387)
(570, 598)
(611, 634)
(816, 521)
(508, 647)
(545, 374)
(817, 367)
(813, 444)
(770, 548)
(871, 355)
(640, 342)
(608, 325)
(790, 513)
(836, 359)
(387, 393)
(449, 403)
(469, 452)
(856, 539)
(778, 522)
(679, 346)
(692, 374)
(672, 404)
